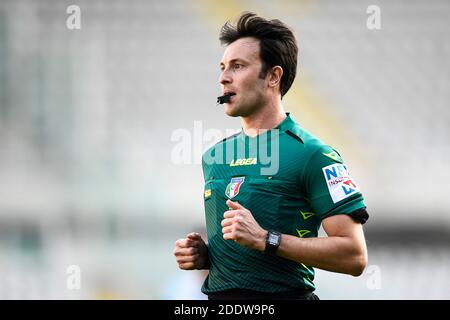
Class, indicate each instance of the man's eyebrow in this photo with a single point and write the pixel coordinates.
(234, 60)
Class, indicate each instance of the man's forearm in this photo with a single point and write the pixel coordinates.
(337, 254)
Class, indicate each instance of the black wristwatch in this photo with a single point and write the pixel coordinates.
(273, 240)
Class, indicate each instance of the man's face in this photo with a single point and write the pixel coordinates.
(241, 67)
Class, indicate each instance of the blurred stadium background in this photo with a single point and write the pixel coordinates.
(86, 124)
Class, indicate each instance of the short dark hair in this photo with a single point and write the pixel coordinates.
(278, 46)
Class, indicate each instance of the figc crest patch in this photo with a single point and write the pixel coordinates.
(233, 187)
(340, 184)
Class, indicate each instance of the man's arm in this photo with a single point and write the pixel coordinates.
(344, 250)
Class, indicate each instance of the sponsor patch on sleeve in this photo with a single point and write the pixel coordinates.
(340, 184)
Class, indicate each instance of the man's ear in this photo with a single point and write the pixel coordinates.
(275, 76)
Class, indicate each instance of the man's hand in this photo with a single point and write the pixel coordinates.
(191, 252)
(239, 225)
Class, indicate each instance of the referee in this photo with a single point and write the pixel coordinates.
(270, 187)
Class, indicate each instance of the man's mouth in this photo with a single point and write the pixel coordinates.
(229, 93)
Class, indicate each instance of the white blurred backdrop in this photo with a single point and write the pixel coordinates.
(87, 122)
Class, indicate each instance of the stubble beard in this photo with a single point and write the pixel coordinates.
(243, 110)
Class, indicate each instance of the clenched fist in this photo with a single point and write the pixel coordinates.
(240, 225)
(191, 252)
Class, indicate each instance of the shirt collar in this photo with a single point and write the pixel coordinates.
(287, 124)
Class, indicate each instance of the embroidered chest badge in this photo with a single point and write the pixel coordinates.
(234, 186)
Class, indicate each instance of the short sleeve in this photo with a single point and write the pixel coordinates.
(328, 185)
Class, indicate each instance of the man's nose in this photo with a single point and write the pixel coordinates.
(225, 77)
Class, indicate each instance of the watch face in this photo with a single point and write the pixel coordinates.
(273, 239)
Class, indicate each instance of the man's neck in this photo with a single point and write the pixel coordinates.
(264, 119)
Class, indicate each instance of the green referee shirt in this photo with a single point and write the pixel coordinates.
(290, 181)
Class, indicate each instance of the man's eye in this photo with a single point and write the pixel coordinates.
(238, 66)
